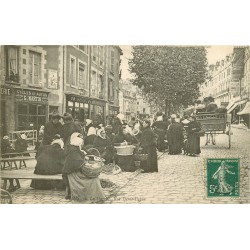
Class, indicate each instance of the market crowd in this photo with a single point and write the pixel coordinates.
(64, 144)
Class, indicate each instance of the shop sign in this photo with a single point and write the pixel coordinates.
(31, 96)
(78, 99)
(85, 100)
(5, 91)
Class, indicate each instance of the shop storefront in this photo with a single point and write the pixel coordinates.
(31, 109)
(22, 109)
(82, 108)
(6, 100)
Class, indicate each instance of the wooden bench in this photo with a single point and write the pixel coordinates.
(10, 160)
(19, 153)
(25, 174)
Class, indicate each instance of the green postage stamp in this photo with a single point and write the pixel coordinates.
(223, 176)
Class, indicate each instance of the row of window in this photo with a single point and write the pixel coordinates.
(12, 65)
(97, 81)
(98, 52)
(77, 78)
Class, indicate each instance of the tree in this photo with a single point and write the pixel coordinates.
(169, 75)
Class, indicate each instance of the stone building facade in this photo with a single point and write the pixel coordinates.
(36, 80)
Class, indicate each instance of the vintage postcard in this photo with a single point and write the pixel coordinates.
(128, 124)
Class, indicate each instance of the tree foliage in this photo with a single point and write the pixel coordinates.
(171, 73)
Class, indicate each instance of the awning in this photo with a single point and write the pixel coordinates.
(246, 110)
(235, 105)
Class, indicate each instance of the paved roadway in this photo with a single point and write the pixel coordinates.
(181, 179)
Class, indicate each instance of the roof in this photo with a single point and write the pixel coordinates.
(246, 110)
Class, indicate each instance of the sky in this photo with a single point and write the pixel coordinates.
(214, 54)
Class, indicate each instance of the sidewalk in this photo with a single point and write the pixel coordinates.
(240, 126)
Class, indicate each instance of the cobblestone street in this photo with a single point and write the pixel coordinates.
(181, 179)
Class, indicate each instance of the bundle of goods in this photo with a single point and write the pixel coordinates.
(111, 168)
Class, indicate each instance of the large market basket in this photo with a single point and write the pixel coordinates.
(125, 150)
(93, 167)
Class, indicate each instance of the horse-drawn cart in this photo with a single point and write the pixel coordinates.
(216, 123)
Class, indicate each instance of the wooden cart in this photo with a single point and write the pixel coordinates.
(216, 123)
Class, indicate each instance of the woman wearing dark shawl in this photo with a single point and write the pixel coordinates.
(50, 161)
(104, 145)
(148, 143)
(82, 188)
(193, 139)
(89, 139)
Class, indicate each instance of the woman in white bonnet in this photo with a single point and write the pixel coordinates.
(82, 189)
(104, 145)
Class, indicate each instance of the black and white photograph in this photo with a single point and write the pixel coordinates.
(124, 124)
(121, 124)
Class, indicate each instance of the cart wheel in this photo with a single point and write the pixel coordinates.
(229, 135)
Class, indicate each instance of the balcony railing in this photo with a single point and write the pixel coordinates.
(12, 78)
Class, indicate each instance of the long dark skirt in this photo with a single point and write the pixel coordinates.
(126, 163)
(193, 144)
(161, 145)
(151, 164)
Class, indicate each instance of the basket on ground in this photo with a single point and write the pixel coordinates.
(125, 150)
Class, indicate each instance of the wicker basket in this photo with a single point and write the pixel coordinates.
(125, 150)
(140, 157)
(92, 168)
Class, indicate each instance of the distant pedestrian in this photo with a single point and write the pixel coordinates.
(193, 140)
(160, 128)
(185, 123)
(175, 137)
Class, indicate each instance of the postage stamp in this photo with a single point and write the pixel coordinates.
(223, 177)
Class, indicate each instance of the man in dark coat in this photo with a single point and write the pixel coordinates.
(69, 127)
(175, 137)
(160, 128)
(52, 128)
